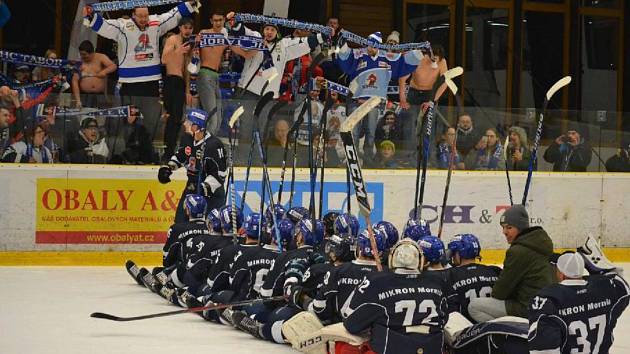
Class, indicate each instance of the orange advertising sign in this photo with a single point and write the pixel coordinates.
(104, 211)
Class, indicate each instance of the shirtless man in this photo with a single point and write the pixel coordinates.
(421, 90)
(176, 56)
(92, 81)
(208, 78)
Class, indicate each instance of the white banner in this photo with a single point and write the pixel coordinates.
(569, 206)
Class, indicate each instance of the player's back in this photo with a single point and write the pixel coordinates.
(578, 315)
(468, 282)
(202, 252)
(178, 236)
(313, 278)
(408, 307)
(250, 268)
(219, 275)
(272, 286)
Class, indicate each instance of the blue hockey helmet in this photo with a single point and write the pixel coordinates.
(312, 235)
(432, 248)
(415, 229)
(365, 247)
(466, 245)
(296, 214)
(347, 224)
(197, 117)
(214, 220)
(251, 225)
(226, 217)
(285, 228)
(280, 210)
(390, 230)
(196, 206)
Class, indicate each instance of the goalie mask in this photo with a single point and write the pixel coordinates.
(406, 254)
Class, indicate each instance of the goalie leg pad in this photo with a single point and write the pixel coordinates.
(455, 325)
(303, 332)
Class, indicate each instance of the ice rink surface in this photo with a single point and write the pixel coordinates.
(46, 310)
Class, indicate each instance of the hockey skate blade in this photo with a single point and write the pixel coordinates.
(235, 116)
(359, 113)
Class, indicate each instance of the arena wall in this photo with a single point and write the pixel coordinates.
(99, 214)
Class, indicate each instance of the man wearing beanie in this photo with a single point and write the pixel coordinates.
(526, 269)
(577, 314)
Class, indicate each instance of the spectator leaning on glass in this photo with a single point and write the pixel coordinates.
(518, 153)
(490, 152)
(86, 146)
(620, 162)
(569, 152)
(32, 150)
(467, 139)
(526, 269)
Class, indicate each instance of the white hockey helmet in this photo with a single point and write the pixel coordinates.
(406, 254)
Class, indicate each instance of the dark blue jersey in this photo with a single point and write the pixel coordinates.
(469, 282)
(274, 282)
(219, 276)
(202, 252)
(190, 155)
(174, 250)
(410, 307)
(250, 268)
(313, 278)
(577, 316)
(331, 302)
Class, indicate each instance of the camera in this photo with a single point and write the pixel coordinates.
(565, 139)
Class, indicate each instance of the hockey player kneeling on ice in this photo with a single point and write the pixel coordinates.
(331, 304)
(578, 314)
(205, 161)
(404, 310)
(526, 269)
(467, 278)
(248, 268)
(265, 320)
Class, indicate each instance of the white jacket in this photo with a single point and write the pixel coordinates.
(139, 51)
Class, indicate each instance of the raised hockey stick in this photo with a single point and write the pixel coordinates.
(106, 316)
(323, 141)
(552, 91)
(352, 160)
(262, 102)
(235, 116)
(292, 130)
(427, 129)
(349, 98)
(451, 85)
(309, 110)
(507, 169)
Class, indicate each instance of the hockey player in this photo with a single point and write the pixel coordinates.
(433, 250)
(347, 225)
(218, 277)
(138, 40)
(210, 162)
(467, 278)
(257, 63)
(578, 315)
(405, 310)
(332, 300)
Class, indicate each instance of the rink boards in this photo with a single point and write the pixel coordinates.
(100, 215)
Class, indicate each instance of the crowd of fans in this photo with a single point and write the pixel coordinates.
(470, 143)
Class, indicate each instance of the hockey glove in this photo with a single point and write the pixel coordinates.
(294, 295)
(164, 174)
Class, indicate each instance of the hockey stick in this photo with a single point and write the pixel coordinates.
(427, 125)
(507, 170)
(451, 85)
(235, 116)
(106, 316)
(312, 168)
(348, 184)
(323, 141)
(292, 130)
(352, 160)
(262, 102)
(555, 88)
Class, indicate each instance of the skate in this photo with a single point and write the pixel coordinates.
(133, 271)
(595, 260)
(247, 324)
(151, 282)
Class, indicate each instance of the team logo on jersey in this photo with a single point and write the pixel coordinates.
(188, 151)
(371, 80)
(130, 26)
(144, 43)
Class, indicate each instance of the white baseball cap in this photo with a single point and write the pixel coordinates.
(571, 264)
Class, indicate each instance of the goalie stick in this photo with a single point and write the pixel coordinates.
(552, 91)
(354, 167)
(106, 316)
